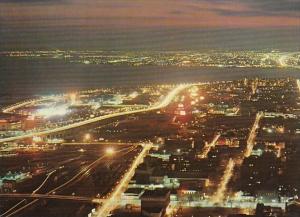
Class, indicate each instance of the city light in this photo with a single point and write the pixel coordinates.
(133, 95)
(112, 201)
(210, 150)
(258, 59)
(37, 139)
(163, 102)
(150, 108)
(87, 137)
(219, 195)
(252, 134)
(53, 111)
(110, 151)
(73, 98)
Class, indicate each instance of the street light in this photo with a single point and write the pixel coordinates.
(73, 97)
(87, 137)
(81, 150)
(110, 151)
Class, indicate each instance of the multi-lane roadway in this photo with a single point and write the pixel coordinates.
(252, 134)
(163, 103)
(84, 172)
(209, 146)
(112, 201)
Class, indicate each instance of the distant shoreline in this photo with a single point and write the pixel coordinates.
(34, 77)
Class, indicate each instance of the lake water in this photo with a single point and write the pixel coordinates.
(27, 77)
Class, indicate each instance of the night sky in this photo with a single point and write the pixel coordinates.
(137, 25)
(149, 24)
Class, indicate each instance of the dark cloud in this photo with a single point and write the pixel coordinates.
(254, 13)
(261, 8)
(277, 5)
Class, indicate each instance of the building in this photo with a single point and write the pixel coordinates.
(192, 186)
(154, 203)
(132, 194)
(32, 122)
(4, 125)
(8, 185)
(9, 121)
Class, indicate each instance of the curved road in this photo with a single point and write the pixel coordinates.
(165, 102)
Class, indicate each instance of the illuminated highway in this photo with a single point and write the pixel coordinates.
(11, 108)
(252, 135)
(219, 195)
(283, 60)
(112, 201)
(22, 201)
(298, 84)
(229, 167)
(165, 102)
(13, 210)
(84, 171)
(208, 146)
